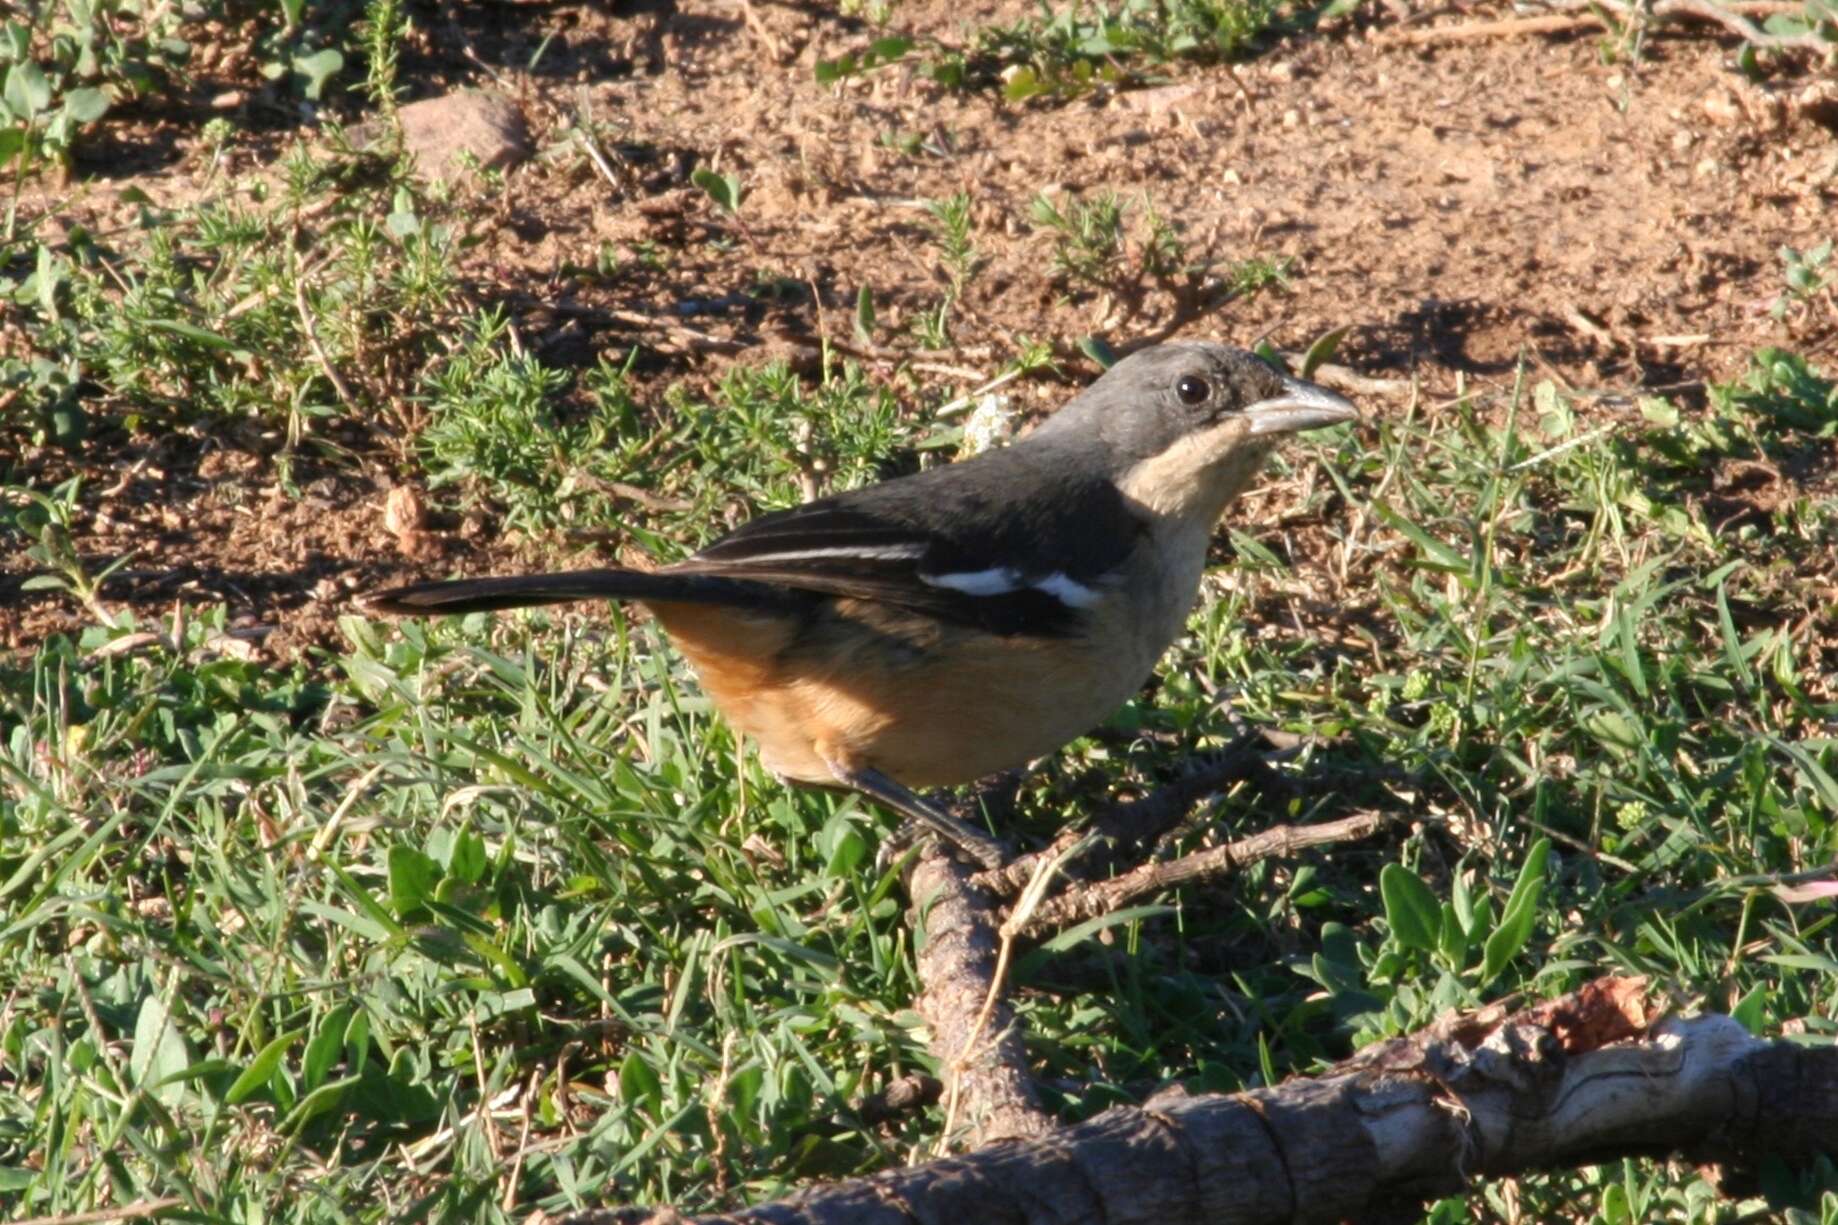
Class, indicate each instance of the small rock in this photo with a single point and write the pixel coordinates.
(437, 131)
(1818, 102)
(229, 100)
(417, 545)
(1683, 139)
(1292, 118)
(1722, 107)
(1158, 101)
(404, 511)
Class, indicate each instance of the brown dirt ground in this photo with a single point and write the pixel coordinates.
(1457, 205)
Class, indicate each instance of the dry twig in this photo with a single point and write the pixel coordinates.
(1733, 18)
(1102, 897)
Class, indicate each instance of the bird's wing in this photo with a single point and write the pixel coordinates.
(961, 550)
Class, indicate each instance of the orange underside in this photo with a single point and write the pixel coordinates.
(884, 700)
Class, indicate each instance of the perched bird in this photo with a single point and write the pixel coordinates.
(939, 627)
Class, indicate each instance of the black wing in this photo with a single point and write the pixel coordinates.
(999, 546)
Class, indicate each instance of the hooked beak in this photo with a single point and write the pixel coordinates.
(1301, 406)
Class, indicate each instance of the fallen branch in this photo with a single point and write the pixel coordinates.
(975, 1035)
(1733, 18)
(1579, 1081)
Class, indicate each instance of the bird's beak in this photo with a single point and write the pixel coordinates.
(1301, 406)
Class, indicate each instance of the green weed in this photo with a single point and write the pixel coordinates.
(1060, 53)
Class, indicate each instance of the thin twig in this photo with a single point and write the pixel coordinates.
(1138, 822)
(646, 498)
(523, 1141)
(1731, 17)
(689, 336)
(127, 1212)
(1103, 897)
(311, 331)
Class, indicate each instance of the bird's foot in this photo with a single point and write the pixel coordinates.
(987, 853)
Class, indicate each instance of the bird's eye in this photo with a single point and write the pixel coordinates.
(1193, 390)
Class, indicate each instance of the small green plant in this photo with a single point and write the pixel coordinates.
(1246, 278)
(932, 326)
(1458, 939)
(1060, 53)
(875, 12)
(1089, 236)
(1808, 281)
(724, 189)
(781, 441)
(48, 521)
(1103, 243)
(1066, 52)
(878, 54)
(493, 422)
(727, 191)
(41, 112)
(384, 30)
(951, 231)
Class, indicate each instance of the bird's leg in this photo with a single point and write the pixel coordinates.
(877, 786)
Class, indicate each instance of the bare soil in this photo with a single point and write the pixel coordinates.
(1458, 206)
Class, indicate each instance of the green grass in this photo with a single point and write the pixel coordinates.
(333, 938)
(489, 911)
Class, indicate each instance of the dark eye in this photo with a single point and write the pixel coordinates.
(1193, 390)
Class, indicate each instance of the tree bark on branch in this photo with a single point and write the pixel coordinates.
(1592, 1077)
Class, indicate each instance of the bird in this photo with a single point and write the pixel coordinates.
(936, 628)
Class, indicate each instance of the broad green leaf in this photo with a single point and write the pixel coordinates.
(86, 105)
(723, 189)
(318, 69)
(159, 1052)
(864, 316)
(412, 878)
(1521, 912)
(261, 1068)
(27, 91)
(638, 1083)
(1322, 351)
(327, 1044)
(319, 1101)
(1410, 908)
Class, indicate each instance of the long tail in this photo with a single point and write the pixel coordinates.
(518, 591)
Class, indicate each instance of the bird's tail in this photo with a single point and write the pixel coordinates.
(518, 591)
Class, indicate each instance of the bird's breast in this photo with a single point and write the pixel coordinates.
(926, 702)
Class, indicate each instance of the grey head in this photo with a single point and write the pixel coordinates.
(1155, 397)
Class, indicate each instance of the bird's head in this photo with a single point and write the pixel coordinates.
(1182, 427)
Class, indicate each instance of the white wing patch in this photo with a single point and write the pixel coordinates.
(1067, 591)
(1005, 580)
(999, 581)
